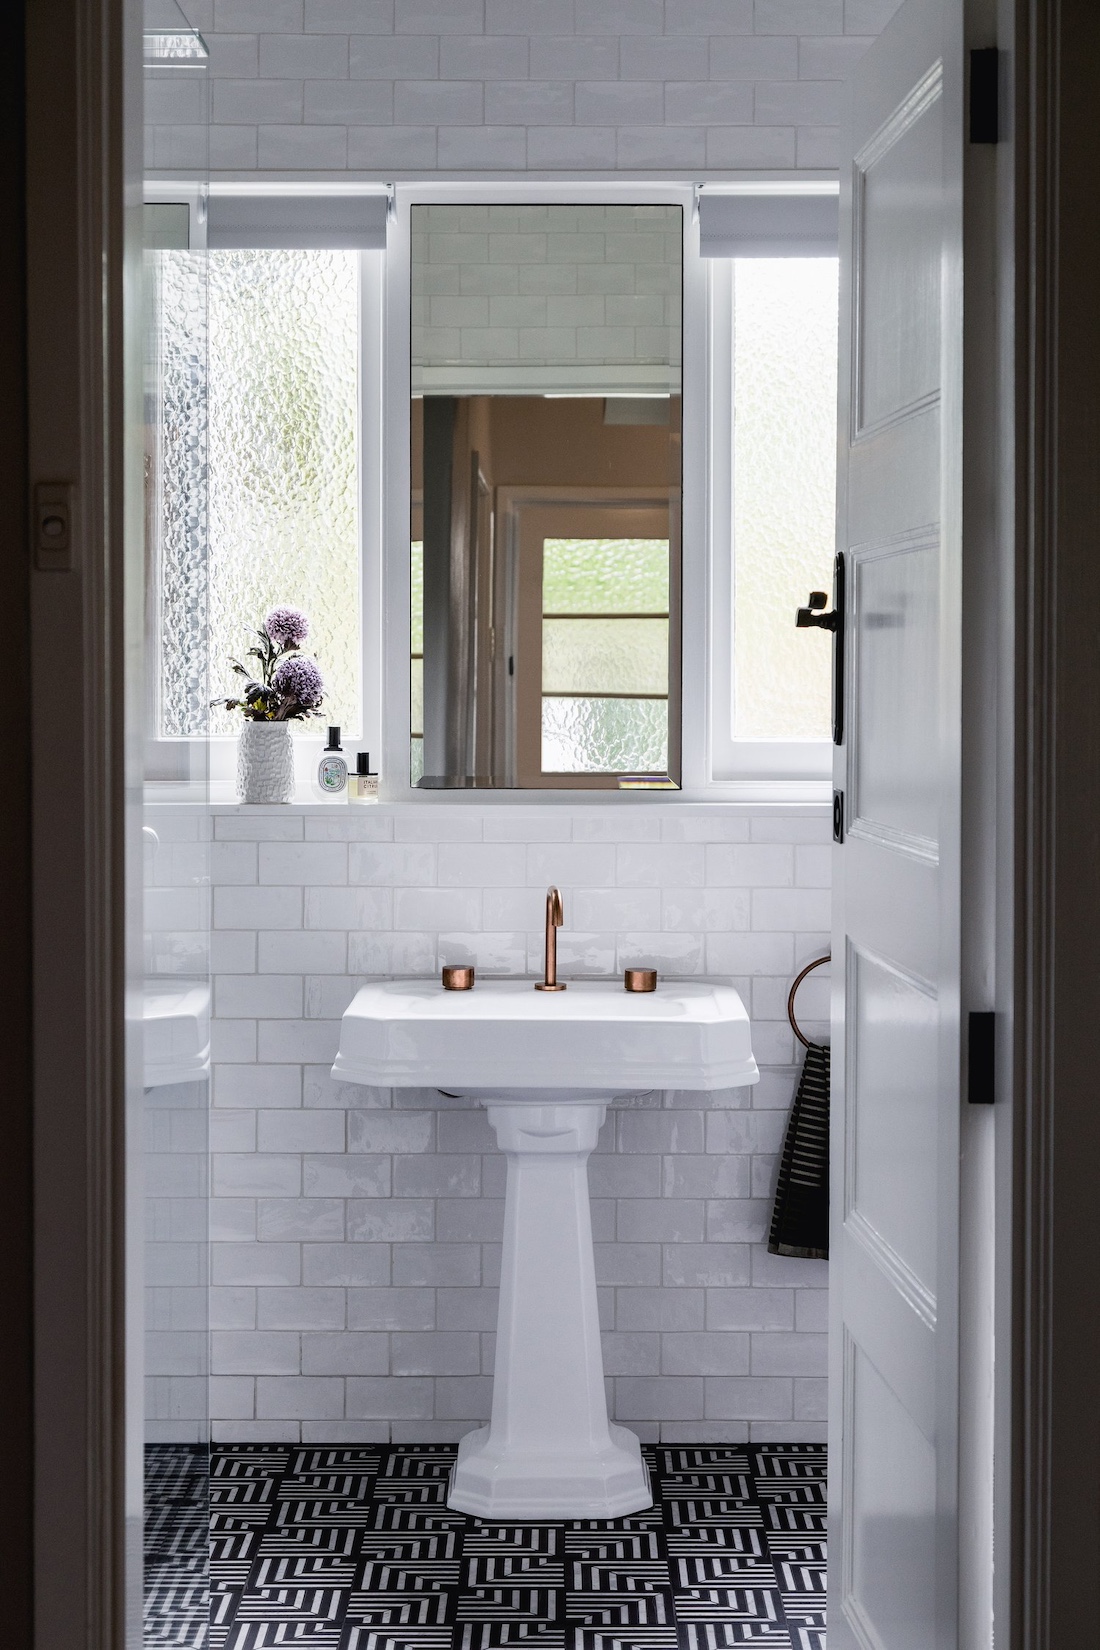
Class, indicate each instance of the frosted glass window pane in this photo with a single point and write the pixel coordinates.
(283, 413)
(784, 491)
(605, 656)
(605, 576)
(604, 735)
(416, 567)
(176, 419)
(417, 697)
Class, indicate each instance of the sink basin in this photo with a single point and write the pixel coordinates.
(176, 1035)
(503, 1036)
(546, 1066)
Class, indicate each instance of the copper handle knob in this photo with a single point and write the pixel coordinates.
(640, 979)
(458, 979)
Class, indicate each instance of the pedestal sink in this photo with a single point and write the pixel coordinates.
(546, 1067)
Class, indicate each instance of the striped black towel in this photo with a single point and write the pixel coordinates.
(800, 1218)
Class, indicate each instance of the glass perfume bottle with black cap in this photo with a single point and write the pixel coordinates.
(332, 770)
(363, 785)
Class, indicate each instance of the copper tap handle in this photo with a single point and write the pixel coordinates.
(555, 916)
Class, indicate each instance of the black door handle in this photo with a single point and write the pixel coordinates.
(813, 617)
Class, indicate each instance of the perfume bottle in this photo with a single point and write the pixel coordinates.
(332, 770)
(363, 785)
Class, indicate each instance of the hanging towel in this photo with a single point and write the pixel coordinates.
(800, 1218)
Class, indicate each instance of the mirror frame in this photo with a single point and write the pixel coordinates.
(393, 581)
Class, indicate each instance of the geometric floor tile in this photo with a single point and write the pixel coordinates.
(334, 1547)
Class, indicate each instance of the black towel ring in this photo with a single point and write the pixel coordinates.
(809, 968)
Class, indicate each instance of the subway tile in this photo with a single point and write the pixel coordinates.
(752, 953)
(257, 1086)
(232, 953)
(660, 146)
(709, 17)
(529, 102)
(346, 1265)
(232, 1219)
(658, 1131)
(571, 865)
(391, 1220)
(465, 1398)
(300, 1131)
(751, 146)
(628, 1263)
(299, 1308)
(705, 910)
(574, 57)
(754, 57)
(771, 1309)
(740, 1132)
(706, 1176)
(664, 57)
(736, 865)
(397, 57)
(463, 17)
(232, 1397)
(255, 1174)
(246, 996)
(353, 825)
(619, 17)
(341, 16)
(388, 1131)
(393, 864)
(693, 1265)
(346, 1175)
(466, 1309)
(563, 146)
(662, 865)
(811, 1400)
(631, 1354)
(483, 57)
(699, 1352)
(295, 1396)
(797, 102)
(303, 56)
(811, 1311)
(805, 826)
(232, 56)
(833, 57)
(253, 827)
(709, 103)
(254, 1352)
(354, 1352)
(610, 1175)
(348, 908)
(309, 863)
(232, 1042)
(520, 825)
(789, 1354)
(456, 1265)
(528, 17)
(232, 1131)
(393, 954)
(232, 1308)
(658, 1308)
(258, 907)
(737, 1220)
(374, 1398)
(428, 1175)
(431, 1353)
(299, 1218)
(748, 1398)
(247, 102)
(349, 102)
(488, 146)
(662, 1219)
(670, 953)
(469, 1220)
(659, 1397)
(391, 1308)
(789, 1270)
(868, 16)
(232, 862)
(798, 16)
(490, 953)
(315, 1041)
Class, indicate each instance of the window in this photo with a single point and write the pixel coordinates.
(773, 273)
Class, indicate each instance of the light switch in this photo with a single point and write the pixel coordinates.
(53, 526)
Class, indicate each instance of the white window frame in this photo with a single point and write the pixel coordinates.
(714, 766)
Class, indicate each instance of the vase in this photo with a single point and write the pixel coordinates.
(265, 763)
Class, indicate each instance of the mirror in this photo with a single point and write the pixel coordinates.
(545, 511)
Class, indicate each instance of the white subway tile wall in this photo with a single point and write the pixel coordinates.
(356, 1233)
(410, 87)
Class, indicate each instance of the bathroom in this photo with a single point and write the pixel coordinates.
(596, 234)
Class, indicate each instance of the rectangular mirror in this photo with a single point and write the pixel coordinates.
(545, 511)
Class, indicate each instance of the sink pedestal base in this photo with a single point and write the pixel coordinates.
(549, 1451)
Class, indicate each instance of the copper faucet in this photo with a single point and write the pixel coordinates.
(554, 919)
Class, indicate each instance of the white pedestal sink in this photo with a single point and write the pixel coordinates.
(545, 1067)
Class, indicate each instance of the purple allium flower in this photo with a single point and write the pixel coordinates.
(287, 626)
(298, 678)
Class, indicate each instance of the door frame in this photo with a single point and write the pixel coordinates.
(79, 74)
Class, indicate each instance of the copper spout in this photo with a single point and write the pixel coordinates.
(554, 919)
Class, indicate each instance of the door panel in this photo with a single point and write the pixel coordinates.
(896, 1065)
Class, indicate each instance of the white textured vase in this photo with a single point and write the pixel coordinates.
(265, 763)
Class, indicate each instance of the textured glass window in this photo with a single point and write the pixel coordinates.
(605, 655)
(784, 491)
(416, 685)
(283, 463)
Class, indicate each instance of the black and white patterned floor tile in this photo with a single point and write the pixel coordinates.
(354, 1548)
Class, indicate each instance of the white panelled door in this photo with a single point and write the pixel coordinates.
(896, 1049)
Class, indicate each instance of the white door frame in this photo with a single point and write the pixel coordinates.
(1047, 894)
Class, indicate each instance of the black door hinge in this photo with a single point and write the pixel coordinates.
(838, 816)
(981, 1064)
(985, 89)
